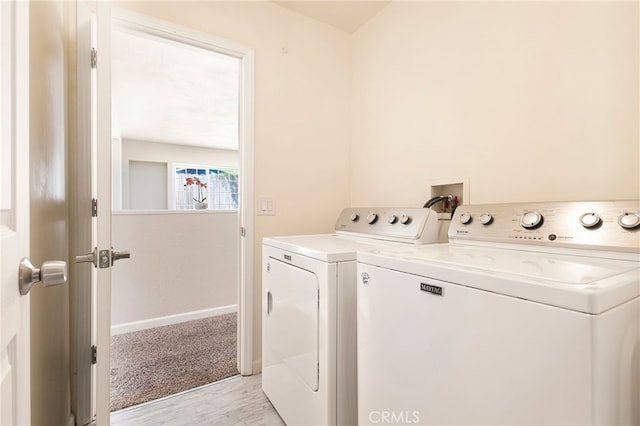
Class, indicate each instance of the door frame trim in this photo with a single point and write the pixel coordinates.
(171, 31)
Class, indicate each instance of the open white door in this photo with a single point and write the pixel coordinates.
(103, 220)
(15, 406)
(91, 218)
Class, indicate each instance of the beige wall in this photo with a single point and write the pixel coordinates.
(167, 153)
(529, 100)
(197, 268)
(50, 382)
(302, 116)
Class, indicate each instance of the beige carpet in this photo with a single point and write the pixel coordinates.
(161, 361)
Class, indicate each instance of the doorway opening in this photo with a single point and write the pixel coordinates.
(179, 191)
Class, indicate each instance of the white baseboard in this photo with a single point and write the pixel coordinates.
(171, 319)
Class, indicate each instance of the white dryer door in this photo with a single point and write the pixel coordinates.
(291, 321)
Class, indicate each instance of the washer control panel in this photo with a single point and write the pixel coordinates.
(417, 225)
(608, 225)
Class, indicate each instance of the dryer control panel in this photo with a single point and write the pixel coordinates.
(601, 225)
(412, 225)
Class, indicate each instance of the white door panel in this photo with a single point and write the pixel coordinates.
(14, 212)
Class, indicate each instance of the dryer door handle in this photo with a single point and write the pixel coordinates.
(269, 302)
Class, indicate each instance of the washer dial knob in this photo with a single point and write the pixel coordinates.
(590, 220)
(465, 218)
(354, 217)
(405, 220)
(629, 220)
(392, 219)
(486, 218)
(531, 219)
(372, 218)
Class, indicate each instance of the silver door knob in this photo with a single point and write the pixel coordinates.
(52, 272)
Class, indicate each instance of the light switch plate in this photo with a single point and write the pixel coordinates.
(266, 206)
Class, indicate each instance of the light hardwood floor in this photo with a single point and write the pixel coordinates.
(234, 401)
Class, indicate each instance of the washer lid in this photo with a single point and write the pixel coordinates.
(584, 284)
(328, 247)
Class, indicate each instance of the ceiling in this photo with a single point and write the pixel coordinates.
(345, 15)
(171, 92)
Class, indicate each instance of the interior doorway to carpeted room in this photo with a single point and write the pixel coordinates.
(176, 203)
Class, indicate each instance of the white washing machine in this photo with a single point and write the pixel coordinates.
(530, 315)
(309, 311)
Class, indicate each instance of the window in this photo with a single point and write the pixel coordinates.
(219, 187)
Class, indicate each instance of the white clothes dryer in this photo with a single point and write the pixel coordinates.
(309, 311)
(529, 315)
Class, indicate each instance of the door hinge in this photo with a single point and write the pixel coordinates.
(94, 207)
(94, 58)
(94, 354)
(242, 232)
